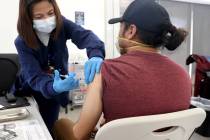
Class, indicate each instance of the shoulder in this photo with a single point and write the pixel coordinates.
(20, 44)
(114, 61)
(111, 64)
(67, 22)
(173, 67)
(108, 62)
(19, 41)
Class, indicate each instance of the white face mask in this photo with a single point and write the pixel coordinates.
(45, 25)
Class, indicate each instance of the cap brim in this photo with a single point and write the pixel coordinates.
(115, 20)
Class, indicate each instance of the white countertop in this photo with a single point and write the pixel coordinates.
(30, 128)
(35, 115)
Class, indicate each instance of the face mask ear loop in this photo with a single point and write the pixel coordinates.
(119, 49)
(143, 49)
(139, 46)
(134, 42)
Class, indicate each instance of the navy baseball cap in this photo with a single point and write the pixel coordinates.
(147, 15)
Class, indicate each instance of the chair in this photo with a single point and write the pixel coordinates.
(180, 126)
(202, 77)
(9, 68)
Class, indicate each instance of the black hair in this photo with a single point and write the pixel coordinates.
(169, 36)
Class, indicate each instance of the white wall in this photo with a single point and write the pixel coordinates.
(195, 1)
(94, 20)
(112, 10)
(8, 32)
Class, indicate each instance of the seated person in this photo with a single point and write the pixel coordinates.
(139, 82)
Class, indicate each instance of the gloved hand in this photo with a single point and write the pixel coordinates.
(92, 66)
(66, 84)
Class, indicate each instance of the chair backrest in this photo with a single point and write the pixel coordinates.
(181, 126)
(9, 68)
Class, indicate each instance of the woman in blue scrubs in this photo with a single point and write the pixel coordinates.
(43, 54)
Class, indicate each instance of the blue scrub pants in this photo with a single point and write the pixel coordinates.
(49, 110)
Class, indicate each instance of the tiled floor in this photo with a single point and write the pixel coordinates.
(73, 115)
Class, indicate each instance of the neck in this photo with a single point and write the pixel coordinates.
(143, 49)
(138, 46)
(43, 37)
(41, 33)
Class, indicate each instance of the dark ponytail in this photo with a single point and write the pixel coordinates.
(174, 38)
(169, 36)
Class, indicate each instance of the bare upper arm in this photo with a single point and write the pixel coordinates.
(91, 111)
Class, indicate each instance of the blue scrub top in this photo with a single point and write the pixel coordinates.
(34, 62)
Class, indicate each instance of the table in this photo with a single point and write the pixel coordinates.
(30, 128)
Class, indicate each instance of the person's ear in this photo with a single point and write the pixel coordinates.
(131, 32)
